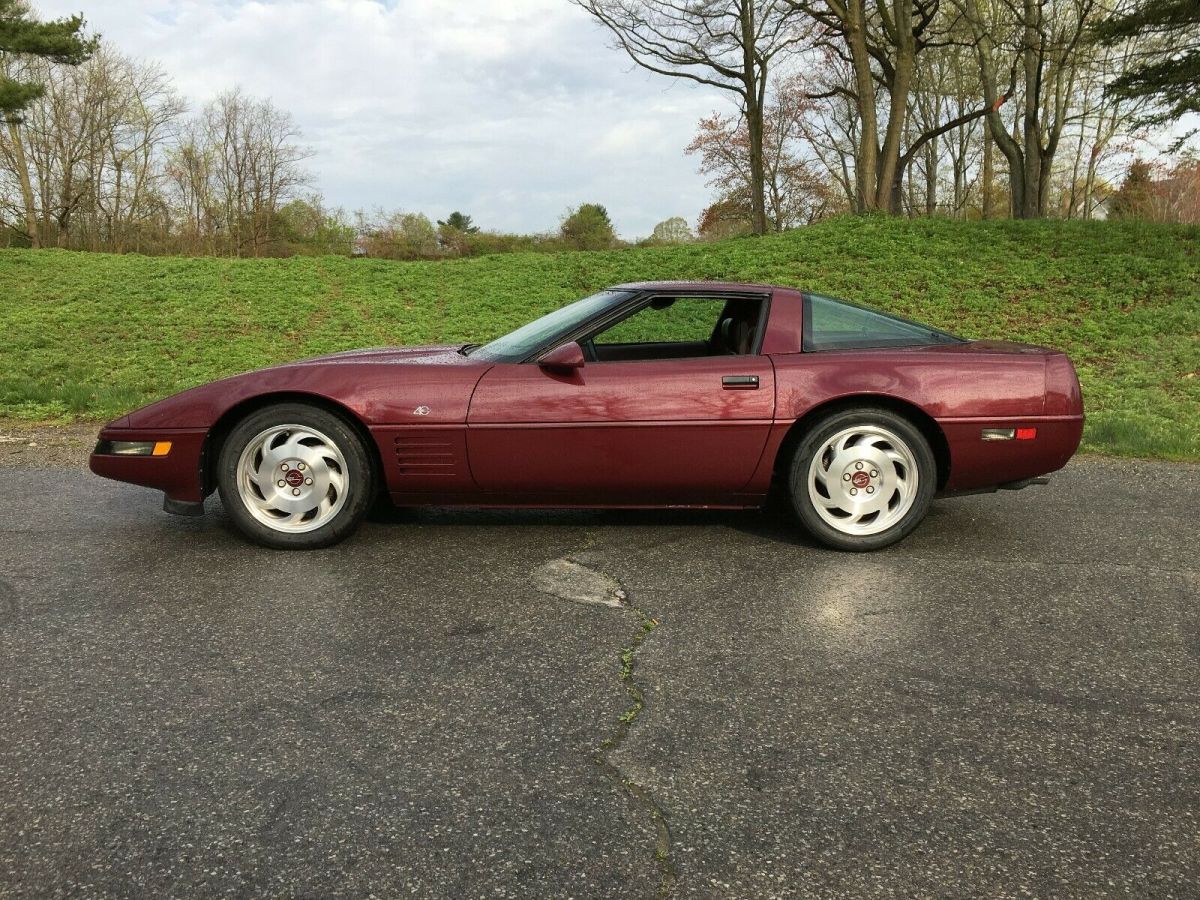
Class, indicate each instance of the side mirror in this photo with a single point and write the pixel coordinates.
(565, 358)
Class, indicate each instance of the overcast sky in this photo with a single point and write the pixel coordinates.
(509, 110)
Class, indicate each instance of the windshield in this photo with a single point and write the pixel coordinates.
(517, 345)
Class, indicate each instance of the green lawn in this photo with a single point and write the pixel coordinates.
(90, 336)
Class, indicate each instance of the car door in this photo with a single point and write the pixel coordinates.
(623, 431)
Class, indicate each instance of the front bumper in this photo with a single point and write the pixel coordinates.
(178, 474)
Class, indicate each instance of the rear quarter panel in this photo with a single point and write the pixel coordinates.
(963, 388)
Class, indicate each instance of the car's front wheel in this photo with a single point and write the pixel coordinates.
(295, 477)
(862, 479)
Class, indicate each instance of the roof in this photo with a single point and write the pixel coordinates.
(731, 286)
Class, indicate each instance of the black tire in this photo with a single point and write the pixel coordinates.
(910, 506)
(347, 508)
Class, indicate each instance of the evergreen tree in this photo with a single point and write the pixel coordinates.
(1171, 78)
(1132, 200)
(459, 222)
(60, 41)
(588, 228)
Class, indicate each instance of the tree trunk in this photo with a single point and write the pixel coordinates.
(1090, 183)
(989, 173)
(998, 131)
(1032, 202)
(758, 178)
(31, 222)
(931, 177)
(755, 82)
(898, 107)
(866, 170)
(912, 195)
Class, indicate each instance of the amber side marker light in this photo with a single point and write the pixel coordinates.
(133, 448)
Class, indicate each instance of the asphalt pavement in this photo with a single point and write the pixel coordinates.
(481, 704)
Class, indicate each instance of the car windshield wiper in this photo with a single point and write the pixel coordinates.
(465, 349)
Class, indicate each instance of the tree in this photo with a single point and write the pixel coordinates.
(727, 218)
(831, 131)
(255, 166)
(674, 230)
(1173, 197)
(881, 42)
(588, 227)
(1044, 42)
(459, 222)
(1101, 122)
(795, 193)
(91, 148)
(307, 227)
(727, 44)
(59, 41)
(399, 235)
(1169, 77)
(454, 233)
(189, 171)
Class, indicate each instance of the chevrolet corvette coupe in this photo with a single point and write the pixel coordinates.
(643, 395)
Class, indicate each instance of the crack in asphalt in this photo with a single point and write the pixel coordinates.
(611, 593)
(603, 756)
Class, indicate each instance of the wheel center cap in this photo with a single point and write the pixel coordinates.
(860, 479)
(294, 478)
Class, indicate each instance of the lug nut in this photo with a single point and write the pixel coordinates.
(858, 465)
(300, 466)
(874, 474)
(870, 490)
(853, 492)
(308, 481)
(281, 482)
(284, 467)
(295, 492)
(846, 477)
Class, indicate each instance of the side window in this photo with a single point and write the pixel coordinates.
(836, 325)
(667, 320)
(680, 328)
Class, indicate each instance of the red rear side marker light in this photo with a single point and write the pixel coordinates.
(1008, 434)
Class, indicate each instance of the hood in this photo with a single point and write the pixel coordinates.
(441, 354)
(340, 377)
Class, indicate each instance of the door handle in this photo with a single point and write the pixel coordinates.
(743, 382)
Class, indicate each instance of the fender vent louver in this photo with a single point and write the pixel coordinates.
(426, 456)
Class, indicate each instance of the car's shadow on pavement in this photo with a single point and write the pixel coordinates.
(774, 523)
(770, 523)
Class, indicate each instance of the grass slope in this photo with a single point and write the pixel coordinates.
(90, 336)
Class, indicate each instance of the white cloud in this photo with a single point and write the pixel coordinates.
(510, 110)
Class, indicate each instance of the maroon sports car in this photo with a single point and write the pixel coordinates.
(643, 395)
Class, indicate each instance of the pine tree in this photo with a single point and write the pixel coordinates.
(60, 41)
(1170, 78)
(588, 227)
(459, 222)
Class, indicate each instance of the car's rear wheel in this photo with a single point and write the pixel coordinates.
(862, 479)
(295, 477)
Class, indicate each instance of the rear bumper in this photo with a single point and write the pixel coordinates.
(977, 464)
(178, 474)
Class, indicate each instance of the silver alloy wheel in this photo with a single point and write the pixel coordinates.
(292, 478)
(863, 480)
